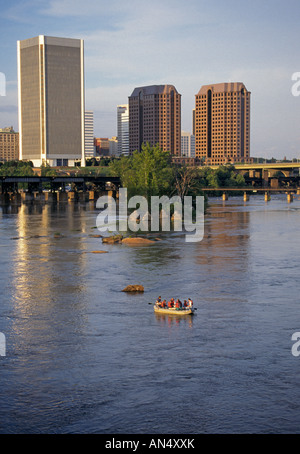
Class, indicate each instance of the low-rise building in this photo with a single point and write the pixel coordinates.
(9, 144)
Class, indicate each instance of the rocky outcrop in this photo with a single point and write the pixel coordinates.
(112, 239)
(133, 288)
(99, 252)
(137, 240)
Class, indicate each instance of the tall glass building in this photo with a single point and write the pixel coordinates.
(89, 149)
(51, 100)
(123, 129)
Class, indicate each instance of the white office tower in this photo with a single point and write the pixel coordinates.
(123, 129)
(51, 100)
(89, 149)
(187, 145)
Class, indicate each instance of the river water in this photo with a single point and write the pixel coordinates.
(84, 357)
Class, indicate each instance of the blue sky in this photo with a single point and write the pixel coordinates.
(187, 43)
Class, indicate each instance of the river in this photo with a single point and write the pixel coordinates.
(84, 357)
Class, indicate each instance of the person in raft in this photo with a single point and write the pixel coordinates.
(178, 304)
(171, 303)
(190, 303)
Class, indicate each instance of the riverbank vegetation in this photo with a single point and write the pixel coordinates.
(146, 173)
(151, 172)
(16, 169)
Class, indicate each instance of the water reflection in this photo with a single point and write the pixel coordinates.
(169, 320)
(83, 356)
(48, 275)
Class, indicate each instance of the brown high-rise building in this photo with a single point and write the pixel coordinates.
(155, 117)
(9, 144)
(222, 123)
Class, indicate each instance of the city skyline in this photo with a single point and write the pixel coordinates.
(134, 45)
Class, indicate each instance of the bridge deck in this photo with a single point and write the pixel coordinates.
(247, 189)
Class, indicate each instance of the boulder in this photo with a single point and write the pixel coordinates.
(99, 252)
(133, 288)
(112, 239)
(137, 240)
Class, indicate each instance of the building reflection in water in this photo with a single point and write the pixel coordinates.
(48, 271)
(225, 240)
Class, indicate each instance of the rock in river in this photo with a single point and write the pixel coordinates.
(112, 239)
(137, 240)
(133, 288)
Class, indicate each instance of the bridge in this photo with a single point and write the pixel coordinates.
(37, 183)
(290, 192)
(269, 174)
(53, 188)
(264, 166)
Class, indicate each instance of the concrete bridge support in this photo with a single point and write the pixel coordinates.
(93, 195)
(62, 196)
(15, 198)
(289, 197)
(50, 197)
(265, 177)
(72, 196)
(246, 197)
(225, 196)
(38, 196)
(26, 196)
(267, 196)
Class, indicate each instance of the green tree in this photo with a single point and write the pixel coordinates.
(145, 173)
(17, 168)
(46, 170)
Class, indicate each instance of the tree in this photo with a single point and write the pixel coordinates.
(186, 181)
(17, 168)
(145, 173)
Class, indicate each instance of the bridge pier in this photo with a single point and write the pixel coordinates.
(93, 195)
(50, 197)
(225, 196)
(15, 198)
(72, 196)
(267, 196)
(289, 197)
(37, 196)
(62, 196)
(246, 196)
(26, 196)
